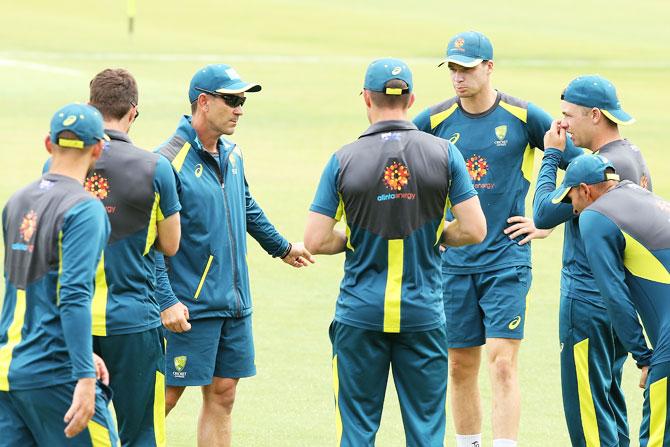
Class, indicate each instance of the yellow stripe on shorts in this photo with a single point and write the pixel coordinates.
(336, 392)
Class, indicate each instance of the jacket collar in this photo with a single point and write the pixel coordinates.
(185, 130)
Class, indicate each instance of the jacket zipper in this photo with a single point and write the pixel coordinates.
(221, 169)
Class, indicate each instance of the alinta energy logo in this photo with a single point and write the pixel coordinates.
(478, 167)
(396, 177)
(27, 230)
(97, 185)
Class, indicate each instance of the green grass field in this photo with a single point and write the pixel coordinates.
(310, 57)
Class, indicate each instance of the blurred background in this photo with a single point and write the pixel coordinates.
(310, 57)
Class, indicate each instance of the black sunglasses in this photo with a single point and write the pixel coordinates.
(137, 111)
(232, 101)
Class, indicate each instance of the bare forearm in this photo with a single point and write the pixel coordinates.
(333, 243)
(454, 235)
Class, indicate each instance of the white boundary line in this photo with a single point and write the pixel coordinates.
(39, 67)
(298, 59)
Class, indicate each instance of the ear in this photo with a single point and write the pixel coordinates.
(203, 102)
(47, 144)
(366, 98)
(489, 67)
(596, 115)
(411, 100)
(96, 152)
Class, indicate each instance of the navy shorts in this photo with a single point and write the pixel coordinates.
(214, 347)
(485, 305)
(35, 418)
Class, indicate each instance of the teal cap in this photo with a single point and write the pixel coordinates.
(589, 169)
(381, 71)
(596, 91)
(82, 120)
(218, 78)
(468, 49)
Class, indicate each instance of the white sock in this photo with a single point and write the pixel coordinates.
(504, 443)
(469, 440)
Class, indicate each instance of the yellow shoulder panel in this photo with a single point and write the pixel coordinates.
(642, 263)
(519, 112)
(436, 119)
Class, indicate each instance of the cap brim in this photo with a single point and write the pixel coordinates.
(562, 195)
(618, 116)
(463, 61)
(240, 87)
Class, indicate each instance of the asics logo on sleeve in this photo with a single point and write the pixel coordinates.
(514, 323)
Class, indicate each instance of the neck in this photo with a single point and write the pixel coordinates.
(206, 135)
(605, 137)
(481, 102)
(76, 169)
(377, 115)
(121, 126)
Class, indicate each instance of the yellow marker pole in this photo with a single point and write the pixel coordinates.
(131, 11)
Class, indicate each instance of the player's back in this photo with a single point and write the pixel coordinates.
(643, 220)
(36, 226)
(124, 180)
(393, 184)
(577, 279)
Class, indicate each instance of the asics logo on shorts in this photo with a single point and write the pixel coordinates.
(514, 323)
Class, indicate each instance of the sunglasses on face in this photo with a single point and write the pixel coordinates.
(232, 101)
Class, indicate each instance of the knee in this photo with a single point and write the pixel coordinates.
(463, 369)
(503, 370)
(221, 394)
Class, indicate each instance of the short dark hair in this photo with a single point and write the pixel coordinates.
(112, 92)
(382, 100)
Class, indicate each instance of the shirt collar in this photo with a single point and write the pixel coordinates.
(389, 126)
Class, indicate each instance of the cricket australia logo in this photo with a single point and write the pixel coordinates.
(179, 365)
(97, 185)
(477, 167)
(501, 133)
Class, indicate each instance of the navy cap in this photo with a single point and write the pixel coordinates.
(218, 78)
(468, 49)
(82, 120)
(381, 71)
(588, 169)
(596, 91)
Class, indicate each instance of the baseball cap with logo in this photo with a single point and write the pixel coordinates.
(82, 120)
(468, 49)
(218, 78)
(596, 91)
(381, 71)
(588, 169)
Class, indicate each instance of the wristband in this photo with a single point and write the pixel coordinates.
(288, 250)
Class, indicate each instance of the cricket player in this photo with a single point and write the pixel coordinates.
(209, 272)
(485, 285)
(392, 187)
(592, 353)
(54, 232)
(139, 192)
(628, 249)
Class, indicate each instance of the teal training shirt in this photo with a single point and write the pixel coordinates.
(577, 280)
(54, 233)
(138, 189)
(392, 187)
(628, 249)
(498, 148)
